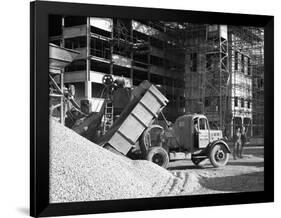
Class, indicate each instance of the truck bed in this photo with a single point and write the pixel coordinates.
(146, 105)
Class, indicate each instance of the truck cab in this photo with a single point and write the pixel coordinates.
(191, 136)
(193, 132)
(203, 135)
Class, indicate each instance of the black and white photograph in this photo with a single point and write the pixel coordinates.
(132, 109)
(154, 108)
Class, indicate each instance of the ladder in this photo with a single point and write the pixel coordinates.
(108, 113)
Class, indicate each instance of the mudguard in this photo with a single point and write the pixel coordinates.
(220, 141)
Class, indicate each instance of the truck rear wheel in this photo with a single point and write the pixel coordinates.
(158, 155)
(219, 155)
(152, 136)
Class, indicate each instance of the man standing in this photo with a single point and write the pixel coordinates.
(195, 132)
(237, 143)
(243, 141)
(121, 97)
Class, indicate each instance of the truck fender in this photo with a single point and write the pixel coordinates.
(144, 142)
(212, 144)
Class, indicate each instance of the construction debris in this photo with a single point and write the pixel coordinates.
(83, 171)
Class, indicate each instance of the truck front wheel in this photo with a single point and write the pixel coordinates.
(158, 155)
(219, 155)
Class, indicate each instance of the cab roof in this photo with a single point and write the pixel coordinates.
(190, 117)
(193, 116)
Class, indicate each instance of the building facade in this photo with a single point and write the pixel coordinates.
(219, 75)
(134, 50)
(200, 68)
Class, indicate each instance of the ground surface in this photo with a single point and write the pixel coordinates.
(246, 174)
(83, 171)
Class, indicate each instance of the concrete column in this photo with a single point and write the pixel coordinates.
(111, 52)
(201, 68)
(88, 84)
(131, 53)
(62, 109)
(148, 61)
(188, 89)
(88, 89)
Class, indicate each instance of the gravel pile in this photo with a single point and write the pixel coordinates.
(83, 171)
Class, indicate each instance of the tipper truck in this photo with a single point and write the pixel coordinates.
(136, 134)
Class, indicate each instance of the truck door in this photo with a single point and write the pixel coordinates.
(203, 133)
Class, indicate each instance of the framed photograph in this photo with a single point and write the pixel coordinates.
(143, 109)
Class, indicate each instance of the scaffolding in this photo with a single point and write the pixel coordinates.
(222, 65)
(224, 75)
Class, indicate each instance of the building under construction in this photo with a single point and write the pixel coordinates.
(224, 76)
(216, 70)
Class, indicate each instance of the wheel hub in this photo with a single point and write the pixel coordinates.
(157, 159)
(220, 155)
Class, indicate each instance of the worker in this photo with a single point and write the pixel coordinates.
(196, 131)
(243, 141)
(195, 125)
(121, 97)
(237, 143)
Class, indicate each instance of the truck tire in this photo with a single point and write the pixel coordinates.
(158, 155)
(219, 155)
(156, 131)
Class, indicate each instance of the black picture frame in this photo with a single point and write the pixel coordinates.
(39, 110)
